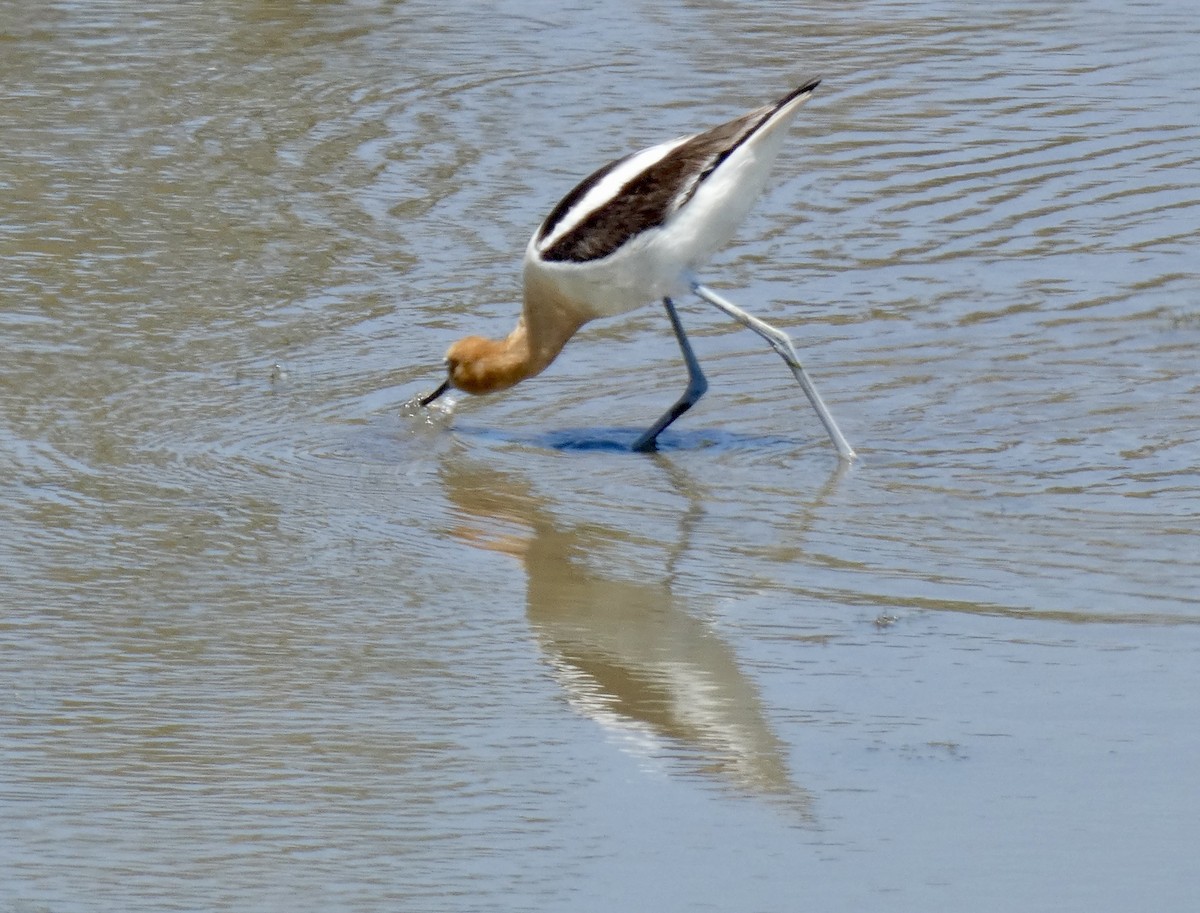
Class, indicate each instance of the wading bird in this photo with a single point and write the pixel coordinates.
(634, 231)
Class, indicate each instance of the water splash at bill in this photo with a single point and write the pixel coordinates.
(432, 414)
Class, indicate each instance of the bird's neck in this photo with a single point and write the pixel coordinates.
(549, 319)
(518, 355)
(489, 365)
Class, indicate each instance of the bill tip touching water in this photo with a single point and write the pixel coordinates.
(632, 232)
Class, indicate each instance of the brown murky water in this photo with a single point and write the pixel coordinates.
(270, 641)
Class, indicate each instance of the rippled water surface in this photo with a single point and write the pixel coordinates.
(271, 639)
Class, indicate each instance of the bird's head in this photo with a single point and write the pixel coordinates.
(478, 365)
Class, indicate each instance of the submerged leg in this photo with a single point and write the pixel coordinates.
(696, 386)
(783, 346)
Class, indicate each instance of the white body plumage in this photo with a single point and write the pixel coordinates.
(655, 260)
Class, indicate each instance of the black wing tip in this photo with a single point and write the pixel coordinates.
(806, 87)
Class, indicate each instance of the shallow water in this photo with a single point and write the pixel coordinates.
(272, 640)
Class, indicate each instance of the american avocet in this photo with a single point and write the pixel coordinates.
(630, 233)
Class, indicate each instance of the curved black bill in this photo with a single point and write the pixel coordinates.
(426, 400)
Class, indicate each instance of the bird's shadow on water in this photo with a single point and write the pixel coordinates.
(621, 440)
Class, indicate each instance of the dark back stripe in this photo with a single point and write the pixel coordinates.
(565, 204)
(649, 198)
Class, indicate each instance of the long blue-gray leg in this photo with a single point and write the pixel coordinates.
(783, 347)
(696, 386)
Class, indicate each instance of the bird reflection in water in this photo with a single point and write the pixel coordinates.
(628, 653)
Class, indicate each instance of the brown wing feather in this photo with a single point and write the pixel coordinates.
(650, 198)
